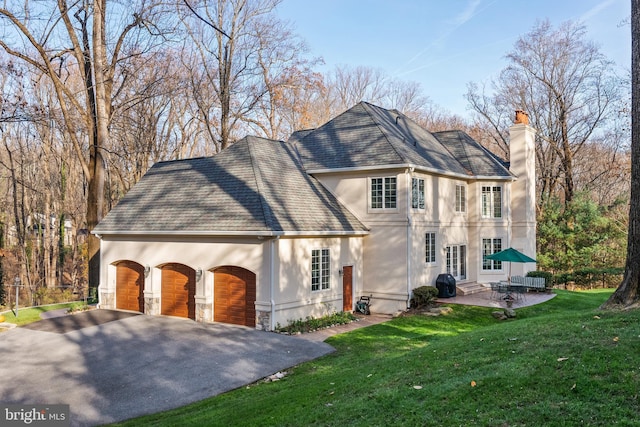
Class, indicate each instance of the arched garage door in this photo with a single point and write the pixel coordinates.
(178, 291)
(130, 286)
(234, 296)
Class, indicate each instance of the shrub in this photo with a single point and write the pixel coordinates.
(424, 295)
(548, 277)
(311, 324)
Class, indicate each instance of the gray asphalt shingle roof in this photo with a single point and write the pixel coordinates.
(256, 185)
(367, 136)
(260, 186)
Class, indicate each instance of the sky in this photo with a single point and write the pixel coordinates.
(445, 44)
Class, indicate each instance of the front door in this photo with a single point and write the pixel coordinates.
(347, 288)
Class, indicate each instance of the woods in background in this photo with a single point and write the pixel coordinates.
(92, 93)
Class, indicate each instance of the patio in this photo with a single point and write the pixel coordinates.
(486, 298)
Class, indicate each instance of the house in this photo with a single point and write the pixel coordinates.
(267, 232)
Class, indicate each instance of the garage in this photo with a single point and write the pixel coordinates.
(130, 286)
(234, 296)
(178, 291)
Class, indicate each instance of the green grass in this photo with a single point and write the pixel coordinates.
(561, 363)
(32, 314)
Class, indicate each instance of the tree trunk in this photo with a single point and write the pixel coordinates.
(627, 294)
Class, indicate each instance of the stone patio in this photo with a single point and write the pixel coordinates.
(487, 299)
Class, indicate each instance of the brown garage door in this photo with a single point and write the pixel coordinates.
(178, 291)
(130, 286)
(234, 296)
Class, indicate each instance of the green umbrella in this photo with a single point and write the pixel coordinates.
(510, 255)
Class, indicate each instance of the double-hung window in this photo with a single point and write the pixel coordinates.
(417, 193)
(491, 246)
(461, 198)
(320, 271)
(383, 193)
(492, 202)
(430, 248)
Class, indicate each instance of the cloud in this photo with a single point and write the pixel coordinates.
(595, 11)
(470, 11)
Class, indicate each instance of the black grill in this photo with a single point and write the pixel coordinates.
(446, 285)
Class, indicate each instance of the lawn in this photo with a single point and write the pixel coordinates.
(562, 363)
(32, 314)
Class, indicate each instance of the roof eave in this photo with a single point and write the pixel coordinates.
(411, 166)
(222, 233)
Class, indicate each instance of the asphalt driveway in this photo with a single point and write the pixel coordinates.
(126, 366)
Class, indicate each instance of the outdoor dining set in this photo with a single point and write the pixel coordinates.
(516, 287)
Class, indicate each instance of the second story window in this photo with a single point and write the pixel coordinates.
(491, 202)
(383, 193)
(461, 198)
(417, 193)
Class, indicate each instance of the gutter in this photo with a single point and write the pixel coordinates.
(413, 167)
(259, 234)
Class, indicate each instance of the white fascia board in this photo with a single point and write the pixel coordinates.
(190, 233)
(326, 233)
(233, 233)
(415, 168)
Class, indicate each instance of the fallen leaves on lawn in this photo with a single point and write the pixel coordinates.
(562, 359)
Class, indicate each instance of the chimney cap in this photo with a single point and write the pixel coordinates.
(521, 117)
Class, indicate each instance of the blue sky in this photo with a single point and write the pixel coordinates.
(445, 44)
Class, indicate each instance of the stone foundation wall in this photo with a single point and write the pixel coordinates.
(203, 312)
(107, 300)
(263, 320)
(152, 305)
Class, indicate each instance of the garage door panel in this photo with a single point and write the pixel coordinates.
(178, 291)
(234, 296)
(130, 286)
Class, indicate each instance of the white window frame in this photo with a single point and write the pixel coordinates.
(491, 246)
(430, 247)
(417, 193)
(461, 198)
(320, 269)
(491, 201)
(456, 261)
(388, 200)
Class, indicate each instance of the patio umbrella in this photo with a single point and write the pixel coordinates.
(510, 255)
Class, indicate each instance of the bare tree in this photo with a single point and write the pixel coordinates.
(628, 293)
(225, 67)
(72, 45)
(566, 85)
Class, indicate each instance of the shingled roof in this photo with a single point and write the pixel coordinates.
(371, 137)
(257, 186)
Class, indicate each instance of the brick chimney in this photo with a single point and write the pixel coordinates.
(523, 190)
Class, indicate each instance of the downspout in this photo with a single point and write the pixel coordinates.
(408, 173)
(272, 280)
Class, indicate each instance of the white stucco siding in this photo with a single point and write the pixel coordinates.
(385, 267)
(293, 294)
